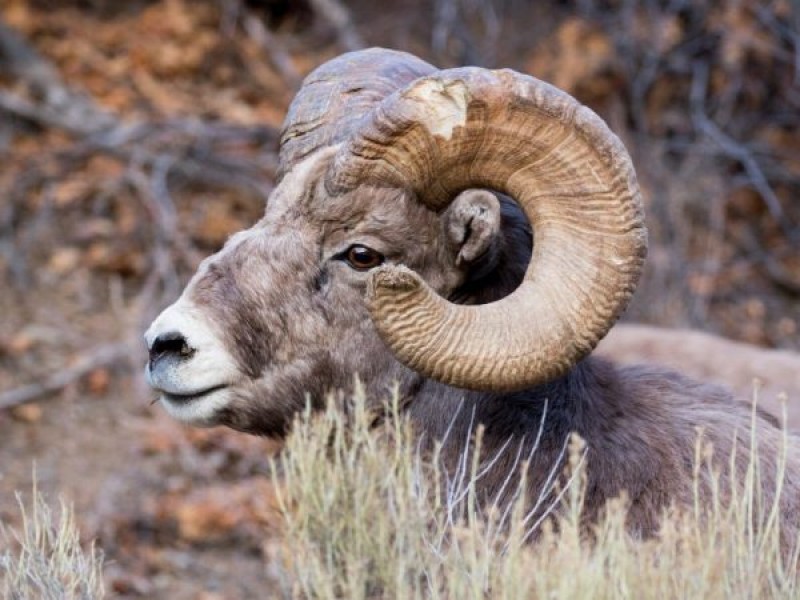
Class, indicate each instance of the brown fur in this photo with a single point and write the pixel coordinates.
(292, 313)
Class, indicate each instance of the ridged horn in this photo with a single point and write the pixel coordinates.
(338, 95)
(470, 127)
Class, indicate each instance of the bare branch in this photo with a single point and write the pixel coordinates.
(102, 356)
(22, 60)
(768, 264)
(59, 105)
(76, 119)
(736, 151)
(276, 53)
(339, 17)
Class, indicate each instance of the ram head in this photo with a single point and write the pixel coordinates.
(390, 249)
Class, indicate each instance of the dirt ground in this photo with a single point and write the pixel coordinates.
(176, 516)
(147, 133)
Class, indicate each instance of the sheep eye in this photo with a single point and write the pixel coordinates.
(362, 258)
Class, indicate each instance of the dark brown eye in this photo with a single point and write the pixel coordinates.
(363, 258)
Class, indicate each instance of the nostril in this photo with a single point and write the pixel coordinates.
(170, 343)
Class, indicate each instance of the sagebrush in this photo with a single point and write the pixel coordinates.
(368, 515)
(44, 559)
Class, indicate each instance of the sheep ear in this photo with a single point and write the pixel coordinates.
(472, 225)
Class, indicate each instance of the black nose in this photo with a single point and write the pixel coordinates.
(167, 344)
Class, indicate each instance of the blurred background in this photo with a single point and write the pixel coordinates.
(136, 135)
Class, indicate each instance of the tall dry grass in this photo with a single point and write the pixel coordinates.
(368, 515)
(44, 560)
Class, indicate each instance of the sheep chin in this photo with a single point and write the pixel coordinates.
(201, 409)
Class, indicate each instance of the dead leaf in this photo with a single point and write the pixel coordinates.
(64, 260)
(223, 513)
(97, 381)
(27, 413)
(573, 56)
(20, 343)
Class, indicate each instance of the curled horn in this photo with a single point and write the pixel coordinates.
(461, 128)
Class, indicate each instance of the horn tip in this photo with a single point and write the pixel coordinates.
(393, 278)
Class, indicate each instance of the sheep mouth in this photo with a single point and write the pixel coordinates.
(188, 398)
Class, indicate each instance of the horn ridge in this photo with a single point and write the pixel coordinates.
(471, 127)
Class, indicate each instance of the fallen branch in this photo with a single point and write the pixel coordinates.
(102, 356)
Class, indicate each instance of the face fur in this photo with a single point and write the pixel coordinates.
(278, 315)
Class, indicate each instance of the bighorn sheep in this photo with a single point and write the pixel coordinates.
(378, 256)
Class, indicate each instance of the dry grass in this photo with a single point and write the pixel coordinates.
(45, 560)
(368, 516)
